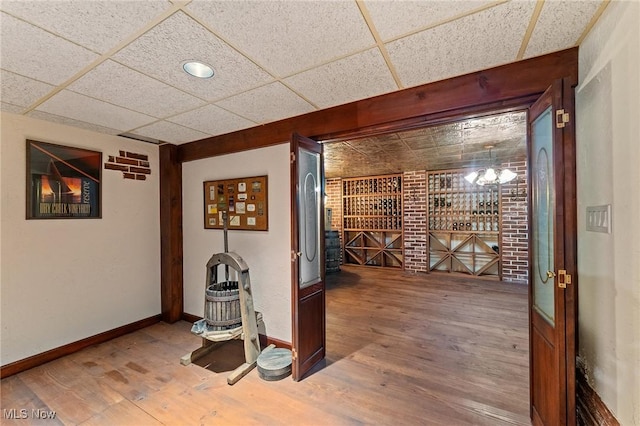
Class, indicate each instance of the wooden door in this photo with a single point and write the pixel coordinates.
(307, 255)
(553, 264)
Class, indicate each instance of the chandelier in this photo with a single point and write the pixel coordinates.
(490, 175)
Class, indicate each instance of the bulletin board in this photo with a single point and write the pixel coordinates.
(243, 199)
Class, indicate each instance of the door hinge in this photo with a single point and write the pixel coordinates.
(294, 354)
(293, 157)
(562, 118)
(563, 278)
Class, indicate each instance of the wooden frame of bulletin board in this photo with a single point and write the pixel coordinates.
(243, 199)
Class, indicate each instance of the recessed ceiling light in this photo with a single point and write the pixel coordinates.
(198, 69)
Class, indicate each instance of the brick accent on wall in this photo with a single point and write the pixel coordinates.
(415, 221)
(132, 165)
(515, 228)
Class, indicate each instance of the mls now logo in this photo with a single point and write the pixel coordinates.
(15, 414)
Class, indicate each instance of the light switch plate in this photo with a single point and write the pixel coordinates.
(599, 218)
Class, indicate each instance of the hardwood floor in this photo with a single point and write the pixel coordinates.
(401, 349)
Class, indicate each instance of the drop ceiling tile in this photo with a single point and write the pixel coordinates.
(449, 151)
(479, 135)
(21, 91)
(425, 153)
(419, 143)
(334, 83)
(469, 44)
(560, 25)
(287, 36)
(162, 51)
(267, 103)
(342, 151)
(481, 122)
(33, 52)
(7, 107)
(387, 139)
(472, 146)
(119, 85)
(393, 18)
(490, 136)
(212, 120)
(371, 151)
(514, 142)
(170, 132)
(426, 132)
(398, 158)
(89, 110)
(71, 122)
(513, 126)
(448, 137)
(472, 159)
(97, 25)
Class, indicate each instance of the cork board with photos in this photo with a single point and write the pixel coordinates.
(244, 200)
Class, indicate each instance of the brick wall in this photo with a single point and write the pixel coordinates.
(415, 221)
(515, 228)
(514, 247)
(333, 189)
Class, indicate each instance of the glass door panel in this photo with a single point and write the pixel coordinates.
(309, 217)
(543, 208)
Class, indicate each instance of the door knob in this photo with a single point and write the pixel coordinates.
(551, 274)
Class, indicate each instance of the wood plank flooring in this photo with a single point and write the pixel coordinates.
(401, 350)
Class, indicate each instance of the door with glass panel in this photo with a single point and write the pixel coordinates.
(551, 293)
(307, 255)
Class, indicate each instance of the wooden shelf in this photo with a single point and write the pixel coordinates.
(469, 253)
(372, 221)
(464, 223)
(373, 248)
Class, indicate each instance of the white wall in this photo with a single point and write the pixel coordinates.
(265, 252)
(608, 172)
(63, 280)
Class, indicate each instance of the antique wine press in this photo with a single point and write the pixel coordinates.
(228, 310)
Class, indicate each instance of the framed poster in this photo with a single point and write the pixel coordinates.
(242, 201)
(62, 181)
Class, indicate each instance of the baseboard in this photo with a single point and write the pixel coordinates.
(50, 355)
(591, 411)
(279, 343)
(264, 340)
(190, 318)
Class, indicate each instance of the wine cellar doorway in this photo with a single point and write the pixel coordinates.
(413, 233)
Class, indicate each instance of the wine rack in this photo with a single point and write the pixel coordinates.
(464, 223)
(372, 221)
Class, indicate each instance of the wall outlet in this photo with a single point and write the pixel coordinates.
(599, 218)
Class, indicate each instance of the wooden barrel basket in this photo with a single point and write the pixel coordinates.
(332, 251)
(222, 306)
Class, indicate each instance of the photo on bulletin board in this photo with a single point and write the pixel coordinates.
(63, 182)
(242, 201)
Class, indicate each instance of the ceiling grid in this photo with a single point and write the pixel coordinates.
(77, 62)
